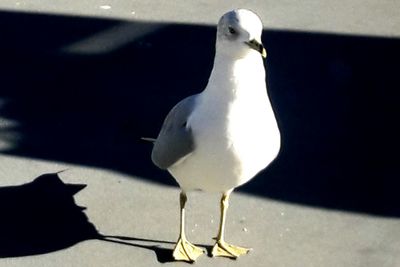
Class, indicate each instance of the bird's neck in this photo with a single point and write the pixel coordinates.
(231, 76)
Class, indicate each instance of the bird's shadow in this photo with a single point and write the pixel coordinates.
(163, 254)
(42, 217)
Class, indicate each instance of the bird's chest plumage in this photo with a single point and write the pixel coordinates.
(230, 127)
(231, 135)
(234, 130)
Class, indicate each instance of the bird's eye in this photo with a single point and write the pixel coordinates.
(231, 30)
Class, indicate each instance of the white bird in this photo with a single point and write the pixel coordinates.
(221, 138)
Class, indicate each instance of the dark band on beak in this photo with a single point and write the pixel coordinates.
(254, 44)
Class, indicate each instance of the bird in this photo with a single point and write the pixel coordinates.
(222, 137)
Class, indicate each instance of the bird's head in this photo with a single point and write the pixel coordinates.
(239, 33)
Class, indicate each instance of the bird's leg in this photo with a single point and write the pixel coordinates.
(184, 250)
(221, 248)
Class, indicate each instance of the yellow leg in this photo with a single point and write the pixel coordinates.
(221, 248)
(184, 250)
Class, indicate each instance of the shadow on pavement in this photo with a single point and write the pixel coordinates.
(164, 255)
(84, 90)
(41, 217)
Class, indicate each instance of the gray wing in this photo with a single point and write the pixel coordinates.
(175, 139)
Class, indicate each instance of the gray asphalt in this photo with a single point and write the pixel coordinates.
(280, 234)
(138, 219)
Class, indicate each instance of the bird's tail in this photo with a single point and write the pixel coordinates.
(148, 139)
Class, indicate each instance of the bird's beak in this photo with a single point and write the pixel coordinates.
(254, 44)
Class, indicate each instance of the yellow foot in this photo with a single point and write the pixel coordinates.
(223, 249)
(186, 251)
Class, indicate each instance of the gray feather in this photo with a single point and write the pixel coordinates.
(175, 139)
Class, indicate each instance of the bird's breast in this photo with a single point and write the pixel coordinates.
(238, 134)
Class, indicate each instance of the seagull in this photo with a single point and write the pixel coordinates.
(222, 137)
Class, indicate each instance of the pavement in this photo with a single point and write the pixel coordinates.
(77, 186)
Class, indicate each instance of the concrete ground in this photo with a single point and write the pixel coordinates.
(144, 218)
(66, 103)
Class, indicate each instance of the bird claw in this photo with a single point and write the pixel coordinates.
(223, 249)
(186, 251)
